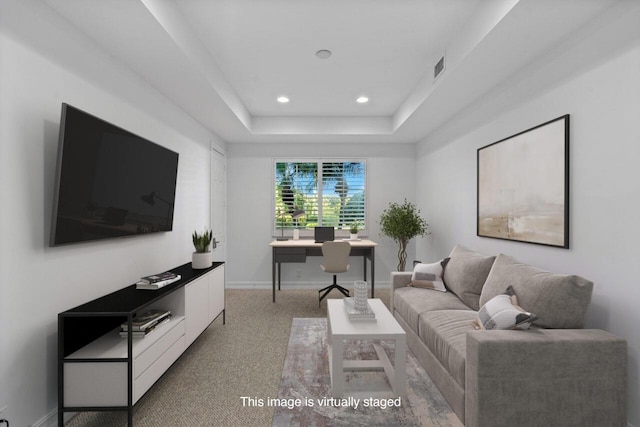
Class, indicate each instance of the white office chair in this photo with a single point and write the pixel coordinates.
(335, 260)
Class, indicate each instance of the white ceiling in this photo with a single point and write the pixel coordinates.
(380, 49)
(224, 62)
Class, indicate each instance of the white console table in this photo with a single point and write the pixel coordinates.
(98, 370)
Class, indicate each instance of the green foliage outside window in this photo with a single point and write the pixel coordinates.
(330, 193)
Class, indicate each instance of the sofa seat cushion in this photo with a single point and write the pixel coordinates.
(410, 302)
(560, 301)
(444, 332)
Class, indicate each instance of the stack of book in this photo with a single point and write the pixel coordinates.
(354, 314)
(157, 281)
(144, 324)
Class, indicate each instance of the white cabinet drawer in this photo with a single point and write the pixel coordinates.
(157, 368)
(80, 380)
(173, 331)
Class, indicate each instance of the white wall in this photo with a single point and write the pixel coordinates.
(36, 281)
(390, 178)
(603, 100)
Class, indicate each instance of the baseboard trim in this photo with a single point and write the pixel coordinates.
(295, 285)
(49, 420)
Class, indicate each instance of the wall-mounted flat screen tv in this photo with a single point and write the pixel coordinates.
(110, 182)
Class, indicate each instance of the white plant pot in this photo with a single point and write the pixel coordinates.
(201, 260)
(353, 236)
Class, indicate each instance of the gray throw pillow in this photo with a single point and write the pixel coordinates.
(429, 276)
(466, 273)
(560, 301)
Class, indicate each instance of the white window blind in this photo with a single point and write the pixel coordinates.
(343, 194)
(330, 192)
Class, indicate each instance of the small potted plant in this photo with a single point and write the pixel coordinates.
(202, 257)
(353, 230)
(402, 222)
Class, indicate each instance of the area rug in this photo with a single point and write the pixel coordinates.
(304, 397)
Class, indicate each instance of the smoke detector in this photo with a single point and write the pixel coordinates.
(323, 53)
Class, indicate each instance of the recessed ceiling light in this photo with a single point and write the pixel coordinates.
(283, 99)
(362, 100)
(323, 53)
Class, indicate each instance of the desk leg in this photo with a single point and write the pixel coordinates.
(279, 274)
(370, 256)
(373, 271)
(273, 273)
(364, 266)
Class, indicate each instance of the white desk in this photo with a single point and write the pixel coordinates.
(298, 250)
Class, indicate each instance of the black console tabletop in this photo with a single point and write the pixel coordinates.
(130, 300)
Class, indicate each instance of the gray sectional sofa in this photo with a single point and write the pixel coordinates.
(553, 374)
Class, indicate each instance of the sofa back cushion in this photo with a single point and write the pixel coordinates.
(560, 301)
(465, 274)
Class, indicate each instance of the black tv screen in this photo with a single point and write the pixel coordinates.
(110, 182)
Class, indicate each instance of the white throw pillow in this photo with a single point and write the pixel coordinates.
(503, 312)
(429, 276)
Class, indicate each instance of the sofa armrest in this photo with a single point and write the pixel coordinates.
(553, 377)
(399, 279)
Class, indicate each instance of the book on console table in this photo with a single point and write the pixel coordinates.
(160, 277)
(354, 314)
(147, 320)
(143, 333)
(158, 284)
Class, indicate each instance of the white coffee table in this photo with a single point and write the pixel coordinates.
(341, 329)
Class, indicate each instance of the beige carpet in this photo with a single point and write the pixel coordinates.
(242, 358)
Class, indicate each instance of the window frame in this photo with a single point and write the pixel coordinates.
(308, 233)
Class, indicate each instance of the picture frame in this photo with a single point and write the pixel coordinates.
(523, 186)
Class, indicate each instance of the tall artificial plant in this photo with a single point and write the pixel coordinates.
(402, 222)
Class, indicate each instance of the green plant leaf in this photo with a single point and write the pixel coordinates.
(402, 222)
(202, 241)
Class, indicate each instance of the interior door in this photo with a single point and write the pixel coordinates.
(219, 203)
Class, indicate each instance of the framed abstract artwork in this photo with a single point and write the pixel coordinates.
(523, 186)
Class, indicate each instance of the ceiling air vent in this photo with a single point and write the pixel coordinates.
(439, 67)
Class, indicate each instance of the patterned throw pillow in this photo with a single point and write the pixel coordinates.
(429, 276)
(503, 312)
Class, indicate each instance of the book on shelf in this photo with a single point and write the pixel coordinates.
(148, 319)
(157, 285)
(143, 333)
(355, 314)
(160, 277)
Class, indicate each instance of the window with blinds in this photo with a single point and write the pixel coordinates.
(319, 193)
